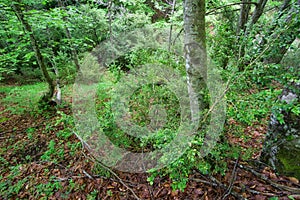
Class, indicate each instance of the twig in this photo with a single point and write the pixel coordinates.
(261, 193)
(214, 182)
(94, 176)
(233, 178)
(88, 175)
(232, 4)
(179, 33)
(144, 168)
(93, 159)
(276, 185)
(204, 181)
(224, 186)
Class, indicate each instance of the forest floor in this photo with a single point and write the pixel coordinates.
(33, 169)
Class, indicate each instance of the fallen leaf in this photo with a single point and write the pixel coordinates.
(293, 180)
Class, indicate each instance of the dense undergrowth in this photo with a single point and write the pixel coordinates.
(40, 155)
(250, 103)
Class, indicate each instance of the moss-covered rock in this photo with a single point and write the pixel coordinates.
(281, 149)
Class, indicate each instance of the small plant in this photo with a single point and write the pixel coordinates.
(44, 191)
(49, 155)
(99, 170)
(93, 195)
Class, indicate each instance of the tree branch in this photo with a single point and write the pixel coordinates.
(232, 4)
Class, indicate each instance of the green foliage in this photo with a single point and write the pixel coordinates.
(50, 152)
(10, 187)
(87, 27)
(143, 101)
(24, 98)
(93, 195)
(221, 40)
(43, 191)
(251, 108)
(100, 170)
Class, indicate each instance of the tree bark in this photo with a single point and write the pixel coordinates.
(195, 53)
(278, 37)
(243, 18)
(257, 12)
(289, 32)
(40, 59)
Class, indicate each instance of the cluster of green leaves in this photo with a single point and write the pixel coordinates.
(252, 108)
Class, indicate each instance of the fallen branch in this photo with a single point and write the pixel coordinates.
(274, 184)
(224, 186)
(214, 182)
(93, 159)
(261, 193)
(95, 177)
(233, 178)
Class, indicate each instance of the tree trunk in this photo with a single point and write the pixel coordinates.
(257, 12)
(278, 37)
(243, 18)
(288, 32)
(241, 29)
(195, 54)
(19, 13)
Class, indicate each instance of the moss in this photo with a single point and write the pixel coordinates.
(289, 160)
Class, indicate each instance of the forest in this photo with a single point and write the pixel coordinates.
(145, 99)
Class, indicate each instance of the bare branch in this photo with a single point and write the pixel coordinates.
(232, 4)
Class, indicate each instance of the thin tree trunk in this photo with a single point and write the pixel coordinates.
(243, 18)
(289, 32)
(110, 21)
(171, 27)
(40, 59)
(257, 12)
(57, 93)
(195, 53)
(241, 29)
